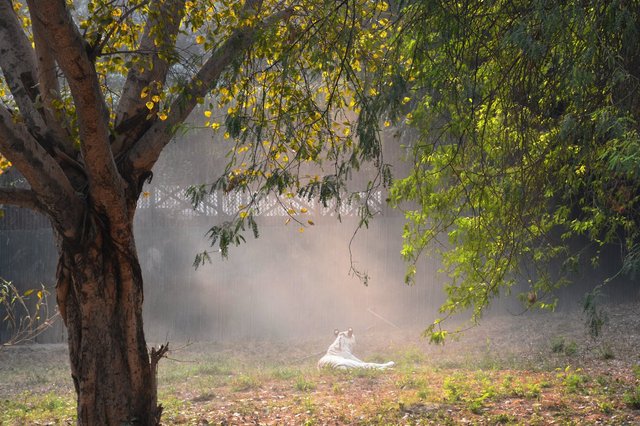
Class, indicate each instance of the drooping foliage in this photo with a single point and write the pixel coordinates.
(300, 111)
(528, 121)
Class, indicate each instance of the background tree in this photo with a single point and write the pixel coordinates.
(90, 94)
(528, 142)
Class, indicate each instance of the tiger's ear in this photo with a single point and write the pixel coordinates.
(350, 332)
(336, 332)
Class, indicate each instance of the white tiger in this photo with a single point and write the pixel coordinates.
(340, 354)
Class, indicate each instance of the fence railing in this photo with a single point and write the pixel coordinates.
(172, 203)
(219, 203)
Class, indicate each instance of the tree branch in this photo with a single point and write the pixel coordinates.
(46, 178)
(47, 76)
(18, 66)
(146, 151)
(106, 186)
(104, 41)
(19, 197)
(158, 39)
(48, 85)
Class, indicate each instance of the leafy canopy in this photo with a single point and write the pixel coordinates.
(297, 108)
(528, 120)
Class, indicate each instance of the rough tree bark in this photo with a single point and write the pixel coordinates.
(100, 294)
(88, 195)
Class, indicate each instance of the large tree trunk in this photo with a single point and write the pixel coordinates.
(100, 297)
(90, 194)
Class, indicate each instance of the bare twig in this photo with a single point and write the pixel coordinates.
(24, 322)
(372, 312)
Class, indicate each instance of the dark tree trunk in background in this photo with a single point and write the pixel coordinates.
(100, 296)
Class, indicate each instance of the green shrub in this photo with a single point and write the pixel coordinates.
(476, 406)
(557, 345)
(572, 380)
(243, 383)
(606, 352)
(304, 385)
(571, 348)
(451, 390)
(606, 407)
(632, 398)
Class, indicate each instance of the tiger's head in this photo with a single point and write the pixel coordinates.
(345, 342)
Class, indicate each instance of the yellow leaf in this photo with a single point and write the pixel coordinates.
(303, 210)
(155, 98)
(146, 194)
(387, 123)
(200, 39)
(215, 126)
(207, 113)
(310, 222)
(117, 12)
(150, 105)
(301, 229)
(243, 214)
(40, 294)
(409, 118)
(28, 292)
(162, 116)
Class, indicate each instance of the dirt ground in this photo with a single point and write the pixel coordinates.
(538, 368)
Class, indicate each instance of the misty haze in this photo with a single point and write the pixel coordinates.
(309, 212)
(266, 314)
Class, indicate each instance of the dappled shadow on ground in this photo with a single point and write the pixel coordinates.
(531, 369)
